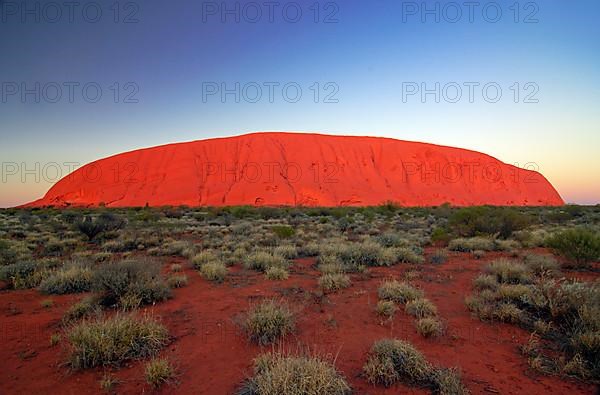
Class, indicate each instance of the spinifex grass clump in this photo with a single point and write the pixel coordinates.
(159, 371)
(563, 312)
(399, 292)
(112, 341)
(72, 278)
(425, 312)
(334, 281)
(268, 321)
(392, 360)
(262, 260)
(281, 374)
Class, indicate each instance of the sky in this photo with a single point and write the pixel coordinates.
(516, 80)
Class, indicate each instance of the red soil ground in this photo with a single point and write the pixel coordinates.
(213, 356)
(300, 169)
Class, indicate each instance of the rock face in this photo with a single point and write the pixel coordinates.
(300, 169)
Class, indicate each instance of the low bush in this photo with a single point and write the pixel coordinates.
(580, 246)
(268, 321)
(279, 374)
(283, 231)
(125, 282)
(485, 220)
(112, 341)
(92, 227)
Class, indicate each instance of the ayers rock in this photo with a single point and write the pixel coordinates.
(300, 169)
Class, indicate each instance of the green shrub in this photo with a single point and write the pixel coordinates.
(159, 371)
(484, 220)
(440, 235)
(279, 374)
(92, 227)
(269, 321)
(283, 231)
(73, 278)
(399, 292)
(580, 245)
(334, 281)
(115, 340)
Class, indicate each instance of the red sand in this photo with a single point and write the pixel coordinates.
(213, 356)
(300, 169)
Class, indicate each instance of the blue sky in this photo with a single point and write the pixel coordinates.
(361, 58)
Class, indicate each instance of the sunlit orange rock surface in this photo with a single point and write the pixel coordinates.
(300, 169)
